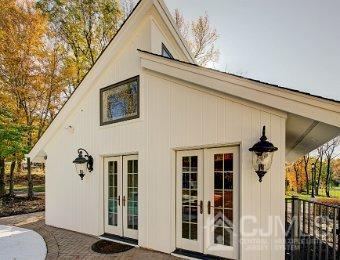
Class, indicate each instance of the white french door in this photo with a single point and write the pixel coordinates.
(121, 195)
(189, 233)
(221, 182)
(207, 201)
(130, 196)
(113, 194)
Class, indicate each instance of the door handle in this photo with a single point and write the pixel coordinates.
(118, 200)
(123, 201)
(201, 206)
(209, 207)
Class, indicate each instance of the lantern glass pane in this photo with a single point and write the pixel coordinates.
(81, 167)
(262, 161)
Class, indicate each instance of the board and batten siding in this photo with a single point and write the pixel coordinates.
(180, 116)
(78, 205)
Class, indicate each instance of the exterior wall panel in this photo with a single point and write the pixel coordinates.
(202, 119)
(78, 205)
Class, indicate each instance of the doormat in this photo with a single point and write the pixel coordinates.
(109, 247)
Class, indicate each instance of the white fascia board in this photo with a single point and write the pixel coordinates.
(167, 18)
(296, 103)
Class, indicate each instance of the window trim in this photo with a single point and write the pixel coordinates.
(164, 48)
(102, 90)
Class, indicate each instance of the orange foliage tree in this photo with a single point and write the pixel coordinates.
(295, 176)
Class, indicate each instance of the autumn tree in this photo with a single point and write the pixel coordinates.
(84, 28)
(300, 174)
(336, 170)
(200, 37)
(127, 6)
(291, 180)
(297, 178)
(12, 135)
(331, 145)
(305, 167)
(295, 175)
(321, 152)
(30, 71)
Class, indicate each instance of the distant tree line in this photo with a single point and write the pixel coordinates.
(299, 176)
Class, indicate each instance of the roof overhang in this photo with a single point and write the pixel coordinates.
(311, 121)
(304, 135)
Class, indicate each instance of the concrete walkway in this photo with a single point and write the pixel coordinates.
(19, 243)
(65, 244)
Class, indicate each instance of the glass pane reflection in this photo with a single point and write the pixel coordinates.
(223, 198)
(189, 197)
(132, 196)
(112, 193)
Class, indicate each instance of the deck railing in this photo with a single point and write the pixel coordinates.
(312, 230)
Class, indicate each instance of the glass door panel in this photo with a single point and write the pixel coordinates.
(189, 197)
(223, 193)
(189, 200)
(130, 196)
(220, 194)
(112, 191)
(113, 195)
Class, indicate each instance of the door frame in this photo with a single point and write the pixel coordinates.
(182, 242)
(117, 230)
(122, 210)
(211, 248)
(189, 150)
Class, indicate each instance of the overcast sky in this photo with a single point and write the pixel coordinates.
(291, 43)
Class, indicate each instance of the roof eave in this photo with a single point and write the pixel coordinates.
(161, 5)
(282, 99)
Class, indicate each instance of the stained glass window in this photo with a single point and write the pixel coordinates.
(120, 101)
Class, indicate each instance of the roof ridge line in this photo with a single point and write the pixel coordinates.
(246, 78)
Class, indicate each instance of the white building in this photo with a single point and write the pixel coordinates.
(170, 142)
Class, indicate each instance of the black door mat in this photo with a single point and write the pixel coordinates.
(109, 247)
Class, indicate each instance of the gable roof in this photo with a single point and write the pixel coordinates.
(166, 15)
(242, 77)
(284, 99)
(137, 14)
(310, 120)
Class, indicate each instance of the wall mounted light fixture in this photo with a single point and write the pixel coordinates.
(262, 155)
(83, 163)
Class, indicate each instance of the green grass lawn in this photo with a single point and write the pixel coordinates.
(23, 188)
(334, 192)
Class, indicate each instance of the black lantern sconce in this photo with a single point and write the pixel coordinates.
(83, 163)
(262, 155)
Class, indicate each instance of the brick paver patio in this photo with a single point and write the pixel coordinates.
(65, 244)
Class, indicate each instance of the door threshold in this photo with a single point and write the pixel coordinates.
(182, 253)
(119, 239)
